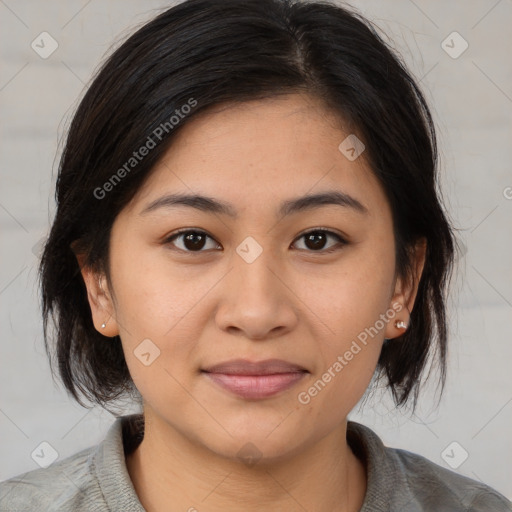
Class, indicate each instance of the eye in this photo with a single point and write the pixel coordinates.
(316, 240)
(195, 240)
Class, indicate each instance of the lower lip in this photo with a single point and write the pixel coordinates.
(256, 386)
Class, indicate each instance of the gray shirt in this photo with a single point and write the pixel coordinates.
(96, 479)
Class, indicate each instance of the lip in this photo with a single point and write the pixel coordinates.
(246, 367)
(255, 380)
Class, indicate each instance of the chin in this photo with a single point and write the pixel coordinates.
(256, 443)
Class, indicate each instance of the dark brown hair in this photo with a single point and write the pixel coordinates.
(231, 51)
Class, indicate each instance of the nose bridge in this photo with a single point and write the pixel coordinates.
(254, 263)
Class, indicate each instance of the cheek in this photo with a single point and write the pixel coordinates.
(352, 305)
(349, 352)
(159, 319)
(334, 393)
(355, 292)
(154, 293)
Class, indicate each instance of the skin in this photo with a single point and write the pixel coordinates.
(293, 302)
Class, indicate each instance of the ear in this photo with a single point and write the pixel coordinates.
(406, 290)
(100, 300)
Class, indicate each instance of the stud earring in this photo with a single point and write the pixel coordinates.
(400, 324)
(104, 324)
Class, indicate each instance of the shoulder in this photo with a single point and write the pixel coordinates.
(403, 481)
(95, 478)
(64, 484)
(436, 487)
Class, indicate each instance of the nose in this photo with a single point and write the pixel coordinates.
(256, 301)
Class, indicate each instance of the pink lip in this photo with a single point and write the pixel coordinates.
(255, 380)
(256, 386)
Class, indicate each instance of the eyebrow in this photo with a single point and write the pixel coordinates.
(288, 207)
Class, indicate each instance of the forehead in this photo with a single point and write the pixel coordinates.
(259, 153)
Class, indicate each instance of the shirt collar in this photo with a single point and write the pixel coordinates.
(110, 464)
(126, 433)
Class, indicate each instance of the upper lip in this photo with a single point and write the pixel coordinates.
(246, 367)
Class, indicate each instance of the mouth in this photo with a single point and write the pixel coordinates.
(255, 380)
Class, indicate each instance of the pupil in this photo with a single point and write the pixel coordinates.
(318, 239)
(195, 240)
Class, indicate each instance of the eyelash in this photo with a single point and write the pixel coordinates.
(341, 241)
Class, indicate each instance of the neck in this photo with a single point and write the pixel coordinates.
(168, 467)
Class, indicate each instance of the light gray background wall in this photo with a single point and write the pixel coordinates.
(471, 96)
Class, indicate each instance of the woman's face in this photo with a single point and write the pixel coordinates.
(254, 286)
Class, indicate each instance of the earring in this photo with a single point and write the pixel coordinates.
(400, 324)
(104, 324)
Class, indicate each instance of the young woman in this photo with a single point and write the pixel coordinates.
(248, 235)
